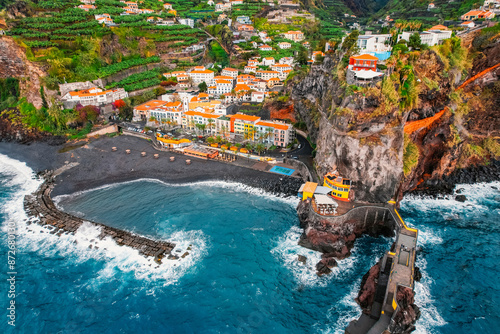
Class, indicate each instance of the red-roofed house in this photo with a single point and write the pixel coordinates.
(363, 62)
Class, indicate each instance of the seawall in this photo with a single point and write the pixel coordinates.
(40, 205)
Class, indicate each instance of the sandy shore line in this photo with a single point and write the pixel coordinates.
(99, 166)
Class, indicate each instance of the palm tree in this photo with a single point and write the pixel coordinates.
(260, 147)
(192, 124)
(210, 124)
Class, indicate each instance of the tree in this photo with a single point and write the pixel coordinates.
(119, 104)
(201, 127)
(210, 140)
(126, 113)
(260, 148)
(203, 86)
(211, 124)
(302, 57)
(159, 91)
(415, 43)
(88, 113)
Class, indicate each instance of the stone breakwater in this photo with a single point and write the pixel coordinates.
(40, 205)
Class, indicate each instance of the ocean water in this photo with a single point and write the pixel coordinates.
(241, 274)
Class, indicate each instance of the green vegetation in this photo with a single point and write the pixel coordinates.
(410, 155)
(139, 81)
(9, 92)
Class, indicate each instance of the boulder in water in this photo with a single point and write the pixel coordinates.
(460, 198)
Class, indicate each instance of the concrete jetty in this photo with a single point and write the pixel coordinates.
(397, 270)
(41, 206)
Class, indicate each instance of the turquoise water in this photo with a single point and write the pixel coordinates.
(241, 274)
(282, 170)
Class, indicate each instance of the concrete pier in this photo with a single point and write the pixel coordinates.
(397, 270)
(41, 206)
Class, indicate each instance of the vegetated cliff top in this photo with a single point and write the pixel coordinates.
(445, 126)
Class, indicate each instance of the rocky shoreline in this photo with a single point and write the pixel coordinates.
(437, 188)
(41, 210)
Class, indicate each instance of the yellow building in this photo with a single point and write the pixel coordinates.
(308, 190)
(340, 186)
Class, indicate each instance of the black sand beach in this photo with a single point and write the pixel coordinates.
(99, 165)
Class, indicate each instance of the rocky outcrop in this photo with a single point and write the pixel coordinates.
(335, 236)
(14, 64)
(366, 294)
(407, 314)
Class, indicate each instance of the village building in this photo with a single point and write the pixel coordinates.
(94, 96)
(199, 74)
(268, 61)
(87, 7)
(477, 14)
(230, 72)
(295, 36)
(245, 27)
(363, 62)
(221, 87)
(468, 24)
(374, 43)
(265, 47)
(191, 118)
(142, 110)
(266, 75)
(250, 69)
(168, 114)
(285, 45)
(431, 37)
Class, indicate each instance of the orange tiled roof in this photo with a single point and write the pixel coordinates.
(202, 114)
(365, 57)
(150, 105)
(245, 117)
(273, 125)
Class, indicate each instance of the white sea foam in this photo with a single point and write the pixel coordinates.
(475, 194)
(226, 185)
(288, 250)
(76, 246)
(350, 309)
(430, 319)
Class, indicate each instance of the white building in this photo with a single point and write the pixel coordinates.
(284, 45)
(432, 37)
(295, 36)
(265, 47)
(250, 69)
(258, 97)
(374, 43)
(230, 72)
(188, 22)
(199, 74)
(266, 75)
(221, 87)
(95, 96)
(286, 60)
(268, 61)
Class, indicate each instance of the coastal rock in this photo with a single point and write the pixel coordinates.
(322, 268)
(407, 314)
(302, 258)
(417, 276)
(366, 294)
(460, 198)
(335, 236)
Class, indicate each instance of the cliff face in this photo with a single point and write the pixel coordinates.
(13, 63)
(451, 124)
(364, 148)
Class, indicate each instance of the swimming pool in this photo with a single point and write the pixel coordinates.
(282, 170)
